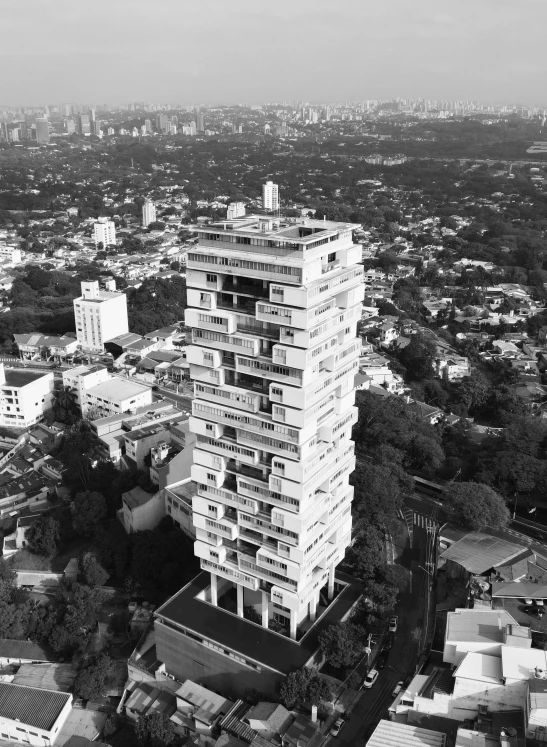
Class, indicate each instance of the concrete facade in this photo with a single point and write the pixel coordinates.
(273, 307)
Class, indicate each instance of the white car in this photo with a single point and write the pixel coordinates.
(393, 624)
(370, 679)
(397, 689)
(337, 727)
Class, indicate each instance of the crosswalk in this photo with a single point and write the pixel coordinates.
(420, 520)
(414, 519)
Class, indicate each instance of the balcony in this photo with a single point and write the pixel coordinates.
(239, 305)
(258, 291)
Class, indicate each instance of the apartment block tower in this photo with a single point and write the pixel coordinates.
(148, 213)
(99, 315)
(270, 196)
(104, 232)
(273, 307)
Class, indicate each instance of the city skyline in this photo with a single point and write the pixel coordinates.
(320, 52)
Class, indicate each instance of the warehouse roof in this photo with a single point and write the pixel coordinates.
(478, 552)
(31, 705)
(395, 734)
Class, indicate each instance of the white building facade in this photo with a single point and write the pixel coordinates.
(273, 308)
(24, 396)
(104, 232)
(270, 196)
(148, 213)
(99, 315)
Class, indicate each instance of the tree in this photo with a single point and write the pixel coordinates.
(397, 576)
(89, 509)
(95, 679)
(418, 357)
(92, 571)
(304, 686)
(342, 644)
(476, 506)
(64, 405)
(80, 451)
(155, 730)
(366, 555)
(43, 536)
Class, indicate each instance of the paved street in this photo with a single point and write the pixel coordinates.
(182, 401)
(371, 705)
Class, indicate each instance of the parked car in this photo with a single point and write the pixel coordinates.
(528, 601)
(388, 643)
(381, 661)
(533, 610)
(393, 623)
(371, 678)
(397, 689)
(337, 727)
(539, 602)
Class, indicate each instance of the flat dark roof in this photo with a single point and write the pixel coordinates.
(248, 639)
(17, 378)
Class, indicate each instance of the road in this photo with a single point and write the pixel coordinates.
(183, 402)
(371, 705)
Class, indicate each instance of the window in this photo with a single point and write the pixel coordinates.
(331, 257)
(211, 278)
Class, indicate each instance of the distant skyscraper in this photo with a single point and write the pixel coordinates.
(96, 128)
(148, 213)
(70, 126)
(148, 126)
(193, 128)
(92, 115)
(42, 130)
(84, 125)
(161, 121)
(200, 124)
(270, 196)
(67, 110)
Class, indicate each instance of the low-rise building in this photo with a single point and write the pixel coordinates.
(96, 388)
(32, 715)
(49, 346)
(141, 510)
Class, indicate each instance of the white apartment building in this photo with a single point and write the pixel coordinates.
(10, 254)
(24, 396)
(104, 231)
(235, 210)
(94, 388)
(148, 213)
(270, 196)
(100, 315)
(273, 308)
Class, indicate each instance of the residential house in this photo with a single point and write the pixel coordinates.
(199, 710)
(36, 345)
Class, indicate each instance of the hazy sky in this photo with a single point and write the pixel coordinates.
(193, 51)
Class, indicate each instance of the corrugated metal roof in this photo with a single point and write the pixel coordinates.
(31, 705)
(394, 734)
(477, 552)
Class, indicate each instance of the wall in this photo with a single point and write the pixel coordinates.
(146, 516)
(186, 658)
